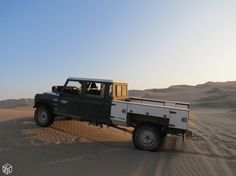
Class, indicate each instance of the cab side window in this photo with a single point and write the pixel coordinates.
(73, 88)
(110, 91)
(95, 89)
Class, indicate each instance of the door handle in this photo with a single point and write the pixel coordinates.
(113, 104)
(64, 101)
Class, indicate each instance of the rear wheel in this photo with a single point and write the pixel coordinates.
(147, 137)
(43, 117)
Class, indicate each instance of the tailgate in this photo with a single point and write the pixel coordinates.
(179, 119)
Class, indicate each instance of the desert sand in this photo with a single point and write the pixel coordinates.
(71, 147)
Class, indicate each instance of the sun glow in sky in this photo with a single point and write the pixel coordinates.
(146, 43)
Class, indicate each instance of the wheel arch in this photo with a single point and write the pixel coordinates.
(43, 104)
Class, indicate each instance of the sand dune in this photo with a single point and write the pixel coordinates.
(211, 94)
(71, 147)
(13, 103)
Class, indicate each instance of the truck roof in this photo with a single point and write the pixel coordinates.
(95, 80)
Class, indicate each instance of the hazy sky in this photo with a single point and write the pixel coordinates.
(146, 43)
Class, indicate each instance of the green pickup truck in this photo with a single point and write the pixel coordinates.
(102, 101)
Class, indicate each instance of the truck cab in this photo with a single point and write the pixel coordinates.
(84, 99)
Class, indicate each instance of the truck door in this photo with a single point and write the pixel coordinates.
(69, 101)
(93, 102)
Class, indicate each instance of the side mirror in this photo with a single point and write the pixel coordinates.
(57, 89)
(54, 89)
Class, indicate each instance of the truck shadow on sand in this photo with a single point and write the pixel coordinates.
(24, 132)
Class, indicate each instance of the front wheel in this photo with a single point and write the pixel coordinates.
(147, 137)
(43, 117)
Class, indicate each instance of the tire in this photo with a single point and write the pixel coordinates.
(43, 117)
(147, 137)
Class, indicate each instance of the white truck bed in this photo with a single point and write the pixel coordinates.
(160, 102)
(176, 112)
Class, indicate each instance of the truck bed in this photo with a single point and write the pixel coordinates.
(175, 104)
(176, 112)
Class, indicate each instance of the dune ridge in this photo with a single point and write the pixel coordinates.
(13, 103)
(210, 94)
